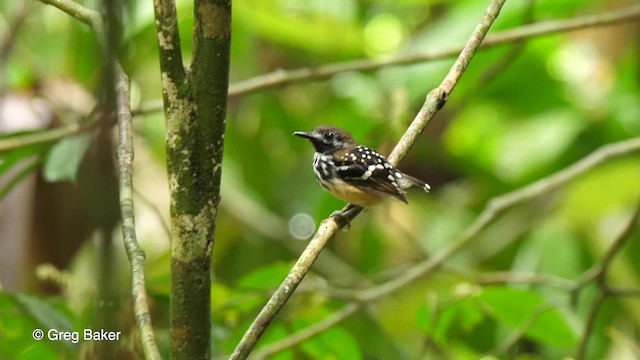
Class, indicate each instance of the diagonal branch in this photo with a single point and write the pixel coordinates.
(434, 101)
(499, 67)
(270, 225)
(41, 137)
(77, 11)
(496, 207)
(309, 332)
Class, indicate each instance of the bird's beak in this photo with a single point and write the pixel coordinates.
(307, 135)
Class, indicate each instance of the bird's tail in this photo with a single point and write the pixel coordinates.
(407, 181)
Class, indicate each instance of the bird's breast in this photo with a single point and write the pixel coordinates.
(350, 193)
(324, 169)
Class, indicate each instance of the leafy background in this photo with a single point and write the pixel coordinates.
(520, 113)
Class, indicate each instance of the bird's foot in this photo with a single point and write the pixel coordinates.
(344, 216)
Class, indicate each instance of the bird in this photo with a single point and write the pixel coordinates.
(355, 173)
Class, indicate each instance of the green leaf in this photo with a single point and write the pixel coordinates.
(335, 343)
(18, 163)
(10, 158)
(267, 277)
(42, 313)
(63, 160)
(530, 145)
(275, 333)
(37, 350)
(424, 319)
(550, 248)
(459, 318)
(26, 157)
(15, 179)
(445, 321)
(476, 133)
(20, 315)
(323, 33)
(601, 190)
(515, 308)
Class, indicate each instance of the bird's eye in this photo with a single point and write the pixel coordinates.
(330, 136)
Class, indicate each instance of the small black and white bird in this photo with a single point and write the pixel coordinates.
(355, 173)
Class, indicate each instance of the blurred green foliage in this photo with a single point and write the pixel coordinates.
(557, 100)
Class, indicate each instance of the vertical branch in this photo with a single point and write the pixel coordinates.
(195, 107)
(134, 251)
(169, 45)
(121, 91)
(210, 79)
(111, 15)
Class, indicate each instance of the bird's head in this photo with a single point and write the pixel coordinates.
(327, 138)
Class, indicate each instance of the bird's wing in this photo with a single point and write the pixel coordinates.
(369, 171)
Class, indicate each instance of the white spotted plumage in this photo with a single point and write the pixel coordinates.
(355, 173)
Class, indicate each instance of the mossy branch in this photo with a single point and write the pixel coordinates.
(195, 104)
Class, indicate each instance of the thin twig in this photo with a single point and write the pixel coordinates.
(75, 10)
(94, 20)
(623, 292)
(507, 277)
(510, 341)
(326, 231)
(280, 78)
(600, 275)
(437, 97)
(41, 137)
(84, 14)
(589, 325)
(618, 244)
(434, 101)
(309, 332)
(499, 67)
(125, 167)
(134, 251)
(8, 41)
(498, 205)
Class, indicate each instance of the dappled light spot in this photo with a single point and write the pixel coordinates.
(301, 226)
